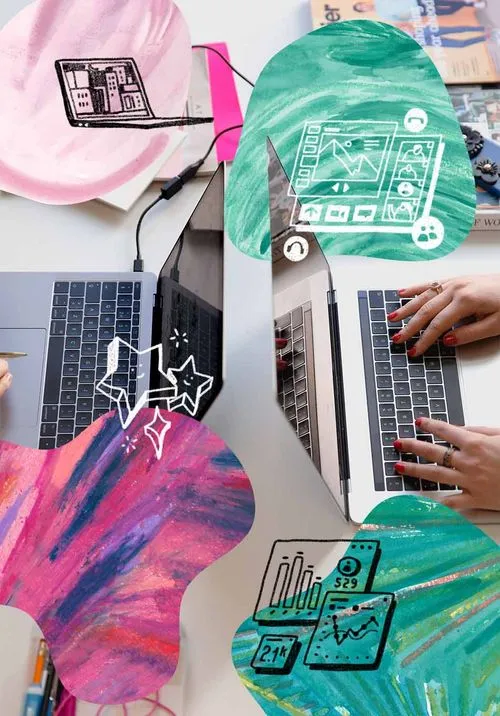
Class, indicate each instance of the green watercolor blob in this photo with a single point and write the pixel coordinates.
(339, 107)
(441, 656)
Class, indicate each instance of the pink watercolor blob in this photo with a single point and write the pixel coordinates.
(100, 539)
(43, 157)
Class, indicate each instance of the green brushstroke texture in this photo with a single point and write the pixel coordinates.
(458, 675)
(348, 70)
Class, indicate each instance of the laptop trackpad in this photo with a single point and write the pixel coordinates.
(19, 407)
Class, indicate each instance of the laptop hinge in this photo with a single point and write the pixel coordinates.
(339, 397)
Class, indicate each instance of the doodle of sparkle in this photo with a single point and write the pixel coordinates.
(119, 395)
(190, 386)
(129, 444)
(156, 431)
(178, 338)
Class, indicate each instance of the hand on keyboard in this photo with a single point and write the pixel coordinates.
(435, 313)
(474, 463)
(281, 364)
(5, 377)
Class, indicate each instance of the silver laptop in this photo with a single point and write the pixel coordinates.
(65, 323)
(109, 92)
(348, 391)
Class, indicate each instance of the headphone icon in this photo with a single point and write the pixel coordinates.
(296, 248)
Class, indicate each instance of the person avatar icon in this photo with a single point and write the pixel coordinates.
(407, 173)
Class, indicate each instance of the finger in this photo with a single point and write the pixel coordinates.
(453, 434)
(441, 323)
(4, 367)
(5, 383)
(437, 301)
(430, 451)
(483, 430)
(477, 331)
(430, 312)
(281, 365)
(464, 501)
(281, 343)
(432, 473)
(417, 289)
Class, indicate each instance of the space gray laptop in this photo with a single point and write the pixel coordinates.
(348, 391)
(65, 323)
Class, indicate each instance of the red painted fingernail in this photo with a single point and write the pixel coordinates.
(418, 422)
(412, 352)
(392, 315)
(281, 364)
(399, 467)
(398, 445)
(281, 343)
(450, 340)
(401, 290)
(396, 338)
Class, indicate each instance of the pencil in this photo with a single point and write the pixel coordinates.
(40, 662)
(12, 355)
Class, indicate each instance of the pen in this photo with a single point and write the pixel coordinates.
(51, 673)
(12, 355)
(53, 697)
(34, 694)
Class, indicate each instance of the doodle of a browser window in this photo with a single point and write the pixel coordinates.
(360, 175)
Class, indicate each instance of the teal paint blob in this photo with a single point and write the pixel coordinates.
(441, 657)
(368, 137)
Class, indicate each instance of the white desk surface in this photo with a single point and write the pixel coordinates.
(95, 237)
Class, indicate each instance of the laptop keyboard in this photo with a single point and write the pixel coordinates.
(194, 330)
(296, 389)
(86, 316)
(401, 389)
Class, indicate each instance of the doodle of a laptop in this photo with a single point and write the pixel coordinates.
(357, 176)
(110, 93)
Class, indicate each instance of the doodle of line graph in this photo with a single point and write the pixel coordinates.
(292, 590)
(351, 632)
(332, 151)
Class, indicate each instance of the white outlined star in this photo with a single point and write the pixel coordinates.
(120, 395)
(190, 386)
(156, 431)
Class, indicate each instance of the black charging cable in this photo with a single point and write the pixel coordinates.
(173, 186)
(224, 59)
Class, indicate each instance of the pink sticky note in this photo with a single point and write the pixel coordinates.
(226, 107)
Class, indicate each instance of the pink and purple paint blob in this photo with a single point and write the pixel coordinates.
(99, 540)
(43, 157)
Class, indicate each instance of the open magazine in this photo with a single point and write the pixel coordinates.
(461, 36)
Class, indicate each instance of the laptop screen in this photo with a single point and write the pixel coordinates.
(100, 89)
(191, 289)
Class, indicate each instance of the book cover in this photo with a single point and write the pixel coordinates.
(461, 36)
(479, 108)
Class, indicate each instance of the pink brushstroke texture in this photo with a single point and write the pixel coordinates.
(41, 156)
(99, 545)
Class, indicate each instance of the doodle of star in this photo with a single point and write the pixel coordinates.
(156, 431)
(177, 338)
(119, 395)
(190, 386)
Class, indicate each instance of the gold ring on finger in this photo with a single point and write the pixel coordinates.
(447, 457)
(437, 287)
